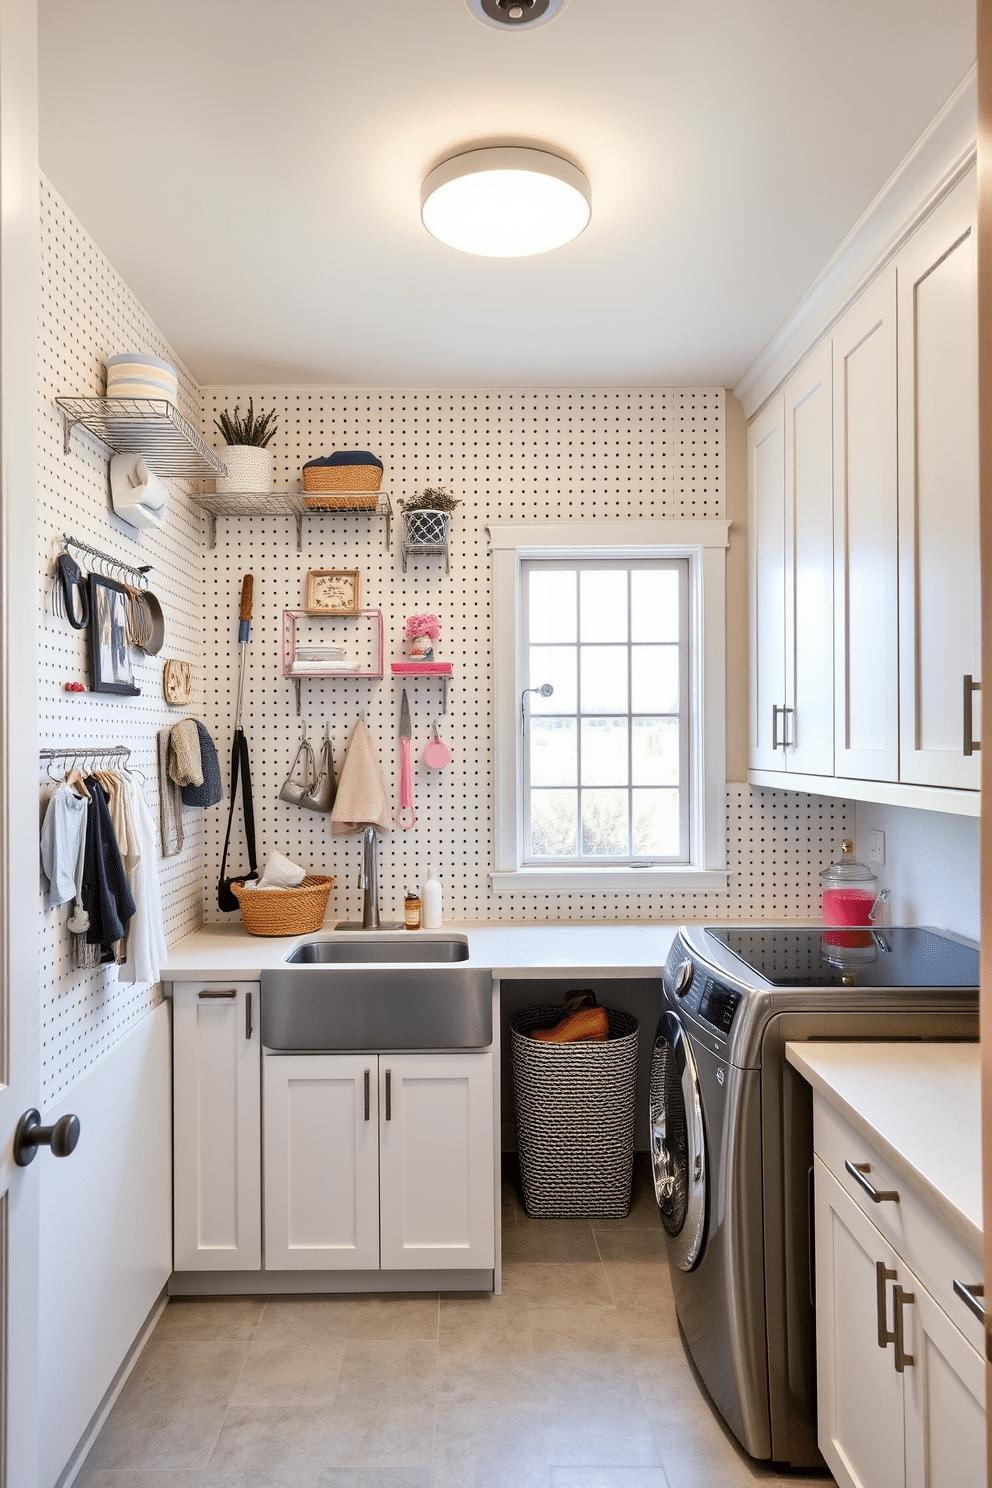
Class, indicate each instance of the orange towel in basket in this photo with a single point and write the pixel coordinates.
(587, 1026)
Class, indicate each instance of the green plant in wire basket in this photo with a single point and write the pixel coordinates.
(431, 498)
(249, 429)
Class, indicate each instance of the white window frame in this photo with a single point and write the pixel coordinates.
(704, 543)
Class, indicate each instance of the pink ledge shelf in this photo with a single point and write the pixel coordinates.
(424, 669)
(421, 668)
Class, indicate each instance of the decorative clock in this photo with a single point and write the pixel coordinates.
(333, 591)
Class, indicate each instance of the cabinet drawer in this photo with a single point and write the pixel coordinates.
(917, 1235)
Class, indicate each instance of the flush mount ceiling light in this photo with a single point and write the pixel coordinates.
(515, 15)
(505, 201)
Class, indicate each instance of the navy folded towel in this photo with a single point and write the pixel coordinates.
(212, 789)
(347, 457)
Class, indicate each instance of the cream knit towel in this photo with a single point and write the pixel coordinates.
(170, 805)
(361, 799)
(185, 760)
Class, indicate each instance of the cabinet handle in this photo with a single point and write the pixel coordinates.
(971, 744)
(900, 1299)
(366, 1095)
(389, 1095)
(776, 710)
(232, 993)
(882, 1275)
(877, 1195)
(247, 1015)
(969, 1294)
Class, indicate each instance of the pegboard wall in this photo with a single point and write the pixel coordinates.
(521, 456)
(87, 315)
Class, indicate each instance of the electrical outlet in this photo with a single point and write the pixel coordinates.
(876, 846)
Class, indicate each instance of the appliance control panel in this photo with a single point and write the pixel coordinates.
(717, 1005)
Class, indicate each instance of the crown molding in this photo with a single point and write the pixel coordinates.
(941, 156)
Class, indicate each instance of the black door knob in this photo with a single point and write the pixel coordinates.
(30, 1135)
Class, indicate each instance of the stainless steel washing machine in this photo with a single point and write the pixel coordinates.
(732, 1138)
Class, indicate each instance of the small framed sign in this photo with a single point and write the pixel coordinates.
(333, 591)
(110, 642)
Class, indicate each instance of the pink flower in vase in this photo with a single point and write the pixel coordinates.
(422, 631)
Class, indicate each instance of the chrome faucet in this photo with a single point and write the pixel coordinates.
(369, 880)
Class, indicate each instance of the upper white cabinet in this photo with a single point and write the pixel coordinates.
(789, 453)
(866, 652)
(939, 571)
(217, 1135)
(863, 518)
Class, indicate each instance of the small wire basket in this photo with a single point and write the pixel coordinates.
(427, 529)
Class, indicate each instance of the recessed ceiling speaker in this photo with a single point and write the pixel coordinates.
(519, 15)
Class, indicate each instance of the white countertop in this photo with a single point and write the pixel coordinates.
(920, 1107)
(631, 949)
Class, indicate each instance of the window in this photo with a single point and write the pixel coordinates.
(605, 757)
(617, 778)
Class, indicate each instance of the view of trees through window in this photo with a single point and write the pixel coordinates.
(605, 754)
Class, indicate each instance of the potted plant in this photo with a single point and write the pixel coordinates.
(247, 457)
(427, 517)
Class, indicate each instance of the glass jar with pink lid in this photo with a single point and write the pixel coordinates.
(849, 890)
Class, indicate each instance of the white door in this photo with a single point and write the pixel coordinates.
(767, 553)
(939, 563)
(859, 1394)
(945, 1399)
(436, 1161)
(217, 1137)
(866, 649)
(20, 1083)
(809, 566)
(321, 1140)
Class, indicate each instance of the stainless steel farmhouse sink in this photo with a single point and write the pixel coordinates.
(366, 994)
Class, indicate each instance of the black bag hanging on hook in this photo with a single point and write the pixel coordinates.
(239, 764)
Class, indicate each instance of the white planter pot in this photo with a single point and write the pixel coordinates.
(249, 469)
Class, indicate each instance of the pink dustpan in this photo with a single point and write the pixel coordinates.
(436, 753)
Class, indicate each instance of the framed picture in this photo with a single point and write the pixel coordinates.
(333, 591)
(110, 654)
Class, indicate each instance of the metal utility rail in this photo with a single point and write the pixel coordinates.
(107, 561)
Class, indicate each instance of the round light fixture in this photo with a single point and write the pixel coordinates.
(505, 201)
(515, 15)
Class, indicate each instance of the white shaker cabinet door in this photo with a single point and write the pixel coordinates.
(216, 1127)
(321, 1162)
(809, 701)
(859, 1393)
(940, 575)
(767, 584)
(945, 1399)
(436, 1161)
(866, 597)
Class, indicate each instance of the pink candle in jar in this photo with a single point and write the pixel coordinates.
(847, 906)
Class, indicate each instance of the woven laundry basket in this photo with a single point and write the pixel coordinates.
(575, 1116)
(284, 911)
(345, 478)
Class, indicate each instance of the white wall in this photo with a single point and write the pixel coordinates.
(931, 865)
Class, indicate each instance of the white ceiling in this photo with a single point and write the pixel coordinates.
(253, 170)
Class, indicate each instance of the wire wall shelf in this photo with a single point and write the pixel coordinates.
(285, 503)
(152, 427)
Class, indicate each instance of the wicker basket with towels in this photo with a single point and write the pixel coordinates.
(347, 478)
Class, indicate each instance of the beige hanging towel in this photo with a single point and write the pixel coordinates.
(361, 800)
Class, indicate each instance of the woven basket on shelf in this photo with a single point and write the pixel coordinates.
(284, 911)
(341, 477)
(349, 502)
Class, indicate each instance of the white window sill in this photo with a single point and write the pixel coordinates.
(615, 880)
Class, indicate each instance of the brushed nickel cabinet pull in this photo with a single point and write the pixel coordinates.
(971, 744)
(247, 1015)
(776, 710)
(366, 1095)
(901, 1299)
(970, 1293)
(877, 1195)
(227, 994)
(389, 1095)
(882, 1275)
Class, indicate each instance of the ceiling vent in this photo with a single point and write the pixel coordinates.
(519, 15)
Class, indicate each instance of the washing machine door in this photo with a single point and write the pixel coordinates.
(678, 1154)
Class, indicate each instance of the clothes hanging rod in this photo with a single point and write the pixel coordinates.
(97, 751)
(141, 571)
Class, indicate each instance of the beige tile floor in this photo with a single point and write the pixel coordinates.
(574, 1378)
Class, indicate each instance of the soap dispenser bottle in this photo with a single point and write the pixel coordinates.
(430, 901)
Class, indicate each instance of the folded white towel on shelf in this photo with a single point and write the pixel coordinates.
(280, 873)
(361, 800)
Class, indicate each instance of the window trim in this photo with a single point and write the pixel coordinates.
(704, 542)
